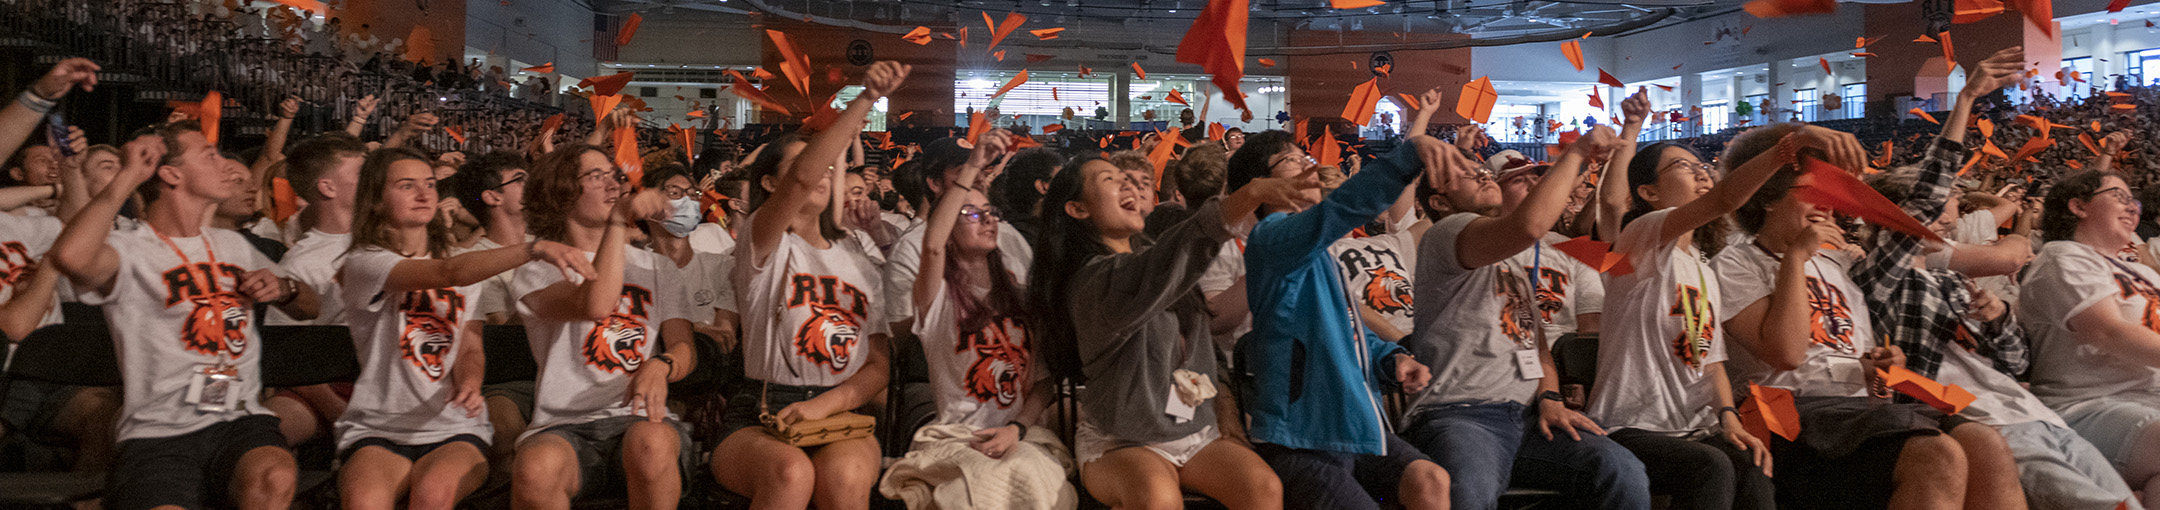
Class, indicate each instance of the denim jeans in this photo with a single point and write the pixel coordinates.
(1487, 447)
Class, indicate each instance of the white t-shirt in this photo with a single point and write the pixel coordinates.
(701, 286)
(1476, 321)
(1839, 334)
(712, 238)
(982, 376)
(1228, 267)
(408, 344)
(314, 261)
(1565, 287)
(173, 316)
(1662, 332)
(2065, 280)
(809, 313)
(905, 259)
(1376, 274)
(1980, 227)
(495, 295)
(585, 366)
(23, 241)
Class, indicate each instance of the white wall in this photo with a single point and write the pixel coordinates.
(1541, 62)
(1737, 39)
(534, 31)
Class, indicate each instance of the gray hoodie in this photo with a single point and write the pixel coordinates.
(1135, 315)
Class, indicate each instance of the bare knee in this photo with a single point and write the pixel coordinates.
(543, 472)
(1159, 496)
(1934, 453)
(1425, 481)
(792, 473)
(433, 493)
(268, 471)
(651, 449)
(1980, 438)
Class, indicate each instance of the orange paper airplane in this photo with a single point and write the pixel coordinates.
(1477, 99)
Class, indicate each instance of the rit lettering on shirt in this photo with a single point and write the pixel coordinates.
(1551, 292)
(220, 319)
(617, 344)
(1386, 291)
(1001, 361)
(2136, 287)
(829, 336)
(431, 319)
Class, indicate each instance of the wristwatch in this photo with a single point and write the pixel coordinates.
(669, 360)
(1552, 395)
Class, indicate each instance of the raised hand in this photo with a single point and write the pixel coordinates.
(1999, 70)
(65, 76)
(144, 154)
(289, 108)
(1600, 141)
(1839, 147)
(420, 123)
(1636, 107)
(884, 77)
(365, 108)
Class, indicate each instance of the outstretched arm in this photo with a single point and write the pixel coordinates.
(1614, 192)
(22, 116)
(795, 184)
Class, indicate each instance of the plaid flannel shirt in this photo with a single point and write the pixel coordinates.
(1923, 311)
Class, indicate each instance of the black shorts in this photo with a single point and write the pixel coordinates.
(30, 407)
(192, 470)
(599, 446)
(519, 393)
(411, 452)
(1848, 450)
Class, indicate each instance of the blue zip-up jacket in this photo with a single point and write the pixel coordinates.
(1317, 369)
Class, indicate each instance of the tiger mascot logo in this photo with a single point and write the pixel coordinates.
(15, 263)
(425, 342)
(616, 344)
(1515, 316)
(1831, 317)
(1388, 291)
(218, 322)
(1000, 364)
(828, 337)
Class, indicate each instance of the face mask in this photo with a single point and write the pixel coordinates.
(685, 218)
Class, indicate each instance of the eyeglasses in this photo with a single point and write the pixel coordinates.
(1482, 174)
(620, 177)
(1308, 159)
(972, 214)
(2120, 195)
(675, 192)
(513, 180)
(1699, 170)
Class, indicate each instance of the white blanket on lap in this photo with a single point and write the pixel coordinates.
(943, 472)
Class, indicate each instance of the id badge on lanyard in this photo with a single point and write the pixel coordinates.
(214, 388)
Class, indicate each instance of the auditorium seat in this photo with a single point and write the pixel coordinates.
(75, 354)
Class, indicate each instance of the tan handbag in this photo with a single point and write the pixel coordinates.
(840, 426)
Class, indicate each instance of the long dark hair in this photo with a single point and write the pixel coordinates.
(1064, 244)
(1643, 170)
(767, 164)
(371, 224)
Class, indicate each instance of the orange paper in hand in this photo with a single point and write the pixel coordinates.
(1770, 411)
(1948, 398)
(976, 126)
(1829, 186)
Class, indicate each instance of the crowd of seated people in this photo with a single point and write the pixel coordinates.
(1243, 322)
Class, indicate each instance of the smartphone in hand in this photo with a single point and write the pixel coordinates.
(56, 135)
